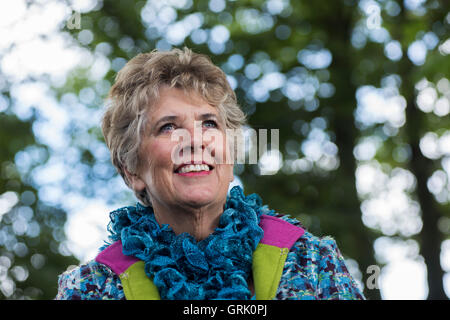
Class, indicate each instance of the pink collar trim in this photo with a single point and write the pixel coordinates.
(279, 233)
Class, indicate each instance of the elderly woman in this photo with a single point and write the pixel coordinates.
(187, 238)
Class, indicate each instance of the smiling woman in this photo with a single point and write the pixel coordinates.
(187, 186)
(186, 239)
(152, 89)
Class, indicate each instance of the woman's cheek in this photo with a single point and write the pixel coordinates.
(160, 153)
(155, 162)
(220, 150)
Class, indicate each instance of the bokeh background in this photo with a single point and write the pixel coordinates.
(359, 90)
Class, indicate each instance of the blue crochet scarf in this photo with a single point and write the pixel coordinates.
(217, 267)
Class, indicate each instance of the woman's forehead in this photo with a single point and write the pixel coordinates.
(178, 103)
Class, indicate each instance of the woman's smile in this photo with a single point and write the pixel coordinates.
(194, 170)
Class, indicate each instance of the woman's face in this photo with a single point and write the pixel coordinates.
(178, 135)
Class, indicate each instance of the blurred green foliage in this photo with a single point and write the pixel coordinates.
(31, 232)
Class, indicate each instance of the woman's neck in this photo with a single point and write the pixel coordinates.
(198, 222)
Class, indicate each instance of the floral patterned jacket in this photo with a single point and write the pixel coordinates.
(314, 270)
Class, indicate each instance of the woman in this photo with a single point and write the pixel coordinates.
(186, 239)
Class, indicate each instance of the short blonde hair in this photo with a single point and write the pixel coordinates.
(136, 89)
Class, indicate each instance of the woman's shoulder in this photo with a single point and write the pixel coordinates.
(307, 240)
(315, 268)
(89, 281)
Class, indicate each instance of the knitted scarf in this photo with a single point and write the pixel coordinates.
(217, 267)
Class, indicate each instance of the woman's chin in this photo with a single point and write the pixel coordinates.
(197, 199)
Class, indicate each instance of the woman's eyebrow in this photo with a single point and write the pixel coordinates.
(203, 117)
(165, 119)
(207, 116)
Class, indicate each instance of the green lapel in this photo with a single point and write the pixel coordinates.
(268, 264)
(136, 285)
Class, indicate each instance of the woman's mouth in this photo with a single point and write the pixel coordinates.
(190, 170)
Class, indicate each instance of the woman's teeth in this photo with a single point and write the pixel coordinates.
(194, 167)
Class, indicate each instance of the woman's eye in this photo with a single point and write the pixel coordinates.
(210, 124)
(167, 127)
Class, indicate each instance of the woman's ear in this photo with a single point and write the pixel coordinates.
(136, 183)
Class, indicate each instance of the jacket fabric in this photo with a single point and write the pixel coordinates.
(289, 263)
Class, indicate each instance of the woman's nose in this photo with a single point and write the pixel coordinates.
(197, 141)
(191, 146)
